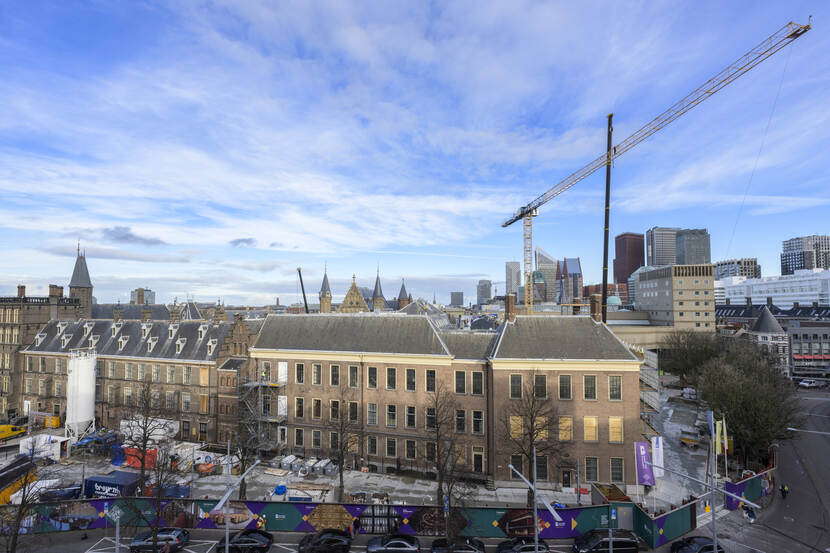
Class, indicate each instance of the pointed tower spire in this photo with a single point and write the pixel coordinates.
(325, 292)
(403, 297)
(378, 303)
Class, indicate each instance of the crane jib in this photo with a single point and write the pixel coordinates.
(745, 63)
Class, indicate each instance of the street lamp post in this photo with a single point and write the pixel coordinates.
(225, 501)
(536, 498)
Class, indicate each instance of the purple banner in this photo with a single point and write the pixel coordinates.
(645, 473)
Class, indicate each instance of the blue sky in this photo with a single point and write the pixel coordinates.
(210, 148)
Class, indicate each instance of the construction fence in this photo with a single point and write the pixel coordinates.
(374, 518)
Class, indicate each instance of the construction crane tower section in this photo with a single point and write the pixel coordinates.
(769, 46)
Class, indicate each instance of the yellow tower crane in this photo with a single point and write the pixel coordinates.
(769, 46)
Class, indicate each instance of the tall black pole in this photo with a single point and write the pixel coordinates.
(305, 301)
(607, 224)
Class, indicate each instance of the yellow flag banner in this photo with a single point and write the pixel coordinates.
(718, 443)
(725, 440)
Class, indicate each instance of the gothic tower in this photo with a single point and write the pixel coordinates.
(403, 298)
(325, 294)
(378, 303)
(80, 286)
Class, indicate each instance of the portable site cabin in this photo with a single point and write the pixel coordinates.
(46, 445)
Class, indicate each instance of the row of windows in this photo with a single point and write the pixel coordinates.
(9, 315)
(410, 415)
(475, 379)
(591, 470)
(589, 387)
(9, 335)
(391, 447)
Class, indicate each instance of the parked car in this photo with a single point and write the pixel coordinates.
(809, 383)
(458, 545)
(325, 541)
(65, 492)
(247, 541)
(523, 544)
(177, 537)
(695, 544)
(392, 543)
(597, 541)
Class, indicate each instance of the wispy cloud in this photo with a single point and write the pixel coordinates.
(242, 242)
(127, 236)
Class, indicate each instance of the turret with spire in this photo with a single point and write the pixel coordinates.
(378, 302)
(80, 286)
(325, 293)
(403, 297)
(353, 302)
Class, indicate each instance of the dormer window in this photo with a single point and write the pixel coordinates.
(202, 330)
(211, 345)
(171, 330)
(180, 344)
(88, 328)
(145, 330)
(122, 341)
(116, 328)
(151, 343)
(61, 327)
(65, 340)
(93, 340)
(39, 339)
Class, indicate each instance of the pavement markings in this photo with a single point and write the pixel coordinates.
(107, 545)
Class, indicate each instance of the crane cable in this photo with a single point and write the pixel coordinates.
(760, 149)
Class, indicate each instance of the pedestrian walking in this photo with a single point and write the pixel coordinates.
(784, 491)
(166, 548)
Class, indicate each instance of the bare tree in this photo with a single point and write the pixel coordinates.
(531, 421)
(443, 445)
(684, 352)
(246, 445)
(345, 429)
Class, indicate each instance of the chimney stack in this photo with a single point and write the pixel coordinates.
(510, 307)
(55, 291)
(117, 313)
(748, 301)
(769, 301)
(596, 307)
(21, 290)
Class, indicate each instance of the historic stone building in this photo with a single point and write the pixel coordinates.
(382, 371)
(191, 366)
(22, 316)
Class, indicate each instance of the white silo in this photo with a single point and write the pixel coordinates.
(80, 393)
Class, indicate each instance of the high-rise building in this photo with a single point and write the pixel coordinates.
(140, 296)
(661, 246)
(512, 277)
(457, 299)
(692, 247)
(806, 252)
(805, 287)
(569, 280)
(484, 291)
(547, 266)
(629, 255)
(682, 296)
(746, 266)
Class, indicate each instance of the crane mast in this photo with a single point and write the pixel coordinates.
(766, 48)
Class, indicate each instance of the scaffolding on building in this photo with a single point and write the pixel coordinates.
(264, 407)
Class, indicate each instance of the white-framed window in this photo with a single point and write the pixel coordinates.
(372, 414)
(617, 469)
(591, 469)
(391, 416)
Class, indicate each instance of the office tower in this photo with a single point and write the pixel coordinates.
(512, 277)
(629, 255)
(661, 246)
(746, 266)
(484, 291)
(457, 299)
(546, 265)
(692, 247)
(806, 252)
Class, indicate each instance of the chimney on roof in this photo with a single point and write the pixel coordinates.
(815, 305)
(728, 301)
(596, 307)
(21, 290)
(146, 313)
(117, 313)
(748, 301)
(175, 313)
(510, 307)
(769, 301)
(795, 305)
(55, 291)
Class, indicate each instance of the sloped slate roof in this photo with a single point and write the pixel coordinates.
(158, 311)
(351, 332)
(193, 349)
(232, 364)
(80, 274)
(575, 337)
(466, 344)
(325, 286)
(190, 312)
(766, 323)
(377, 292)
